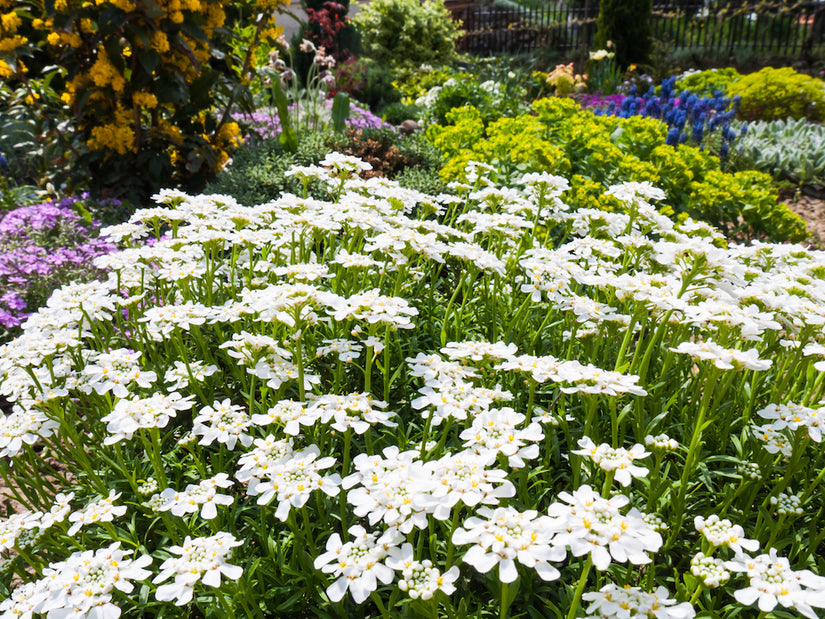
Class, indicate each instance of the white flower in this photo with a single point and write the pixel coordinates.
(202, 497)
(291, 480)
(257, 463)
(464, 477)
(82, 585)
(23, 427)
(724, 533)
(201, 559)
(613, 601)
(103, 510)
(292, 415)
(794, 416)
(347, 350)
(357, 565)
(358, 411)
(136, 413)
(479, 351)
(224, 422)
(114, 371)
(710, 570)
(587, 523)
(772, 582)
(374, 308)
(345, 163)
(619, 461)
(419, 578)
(507, 535)
(723, 358)
(180, 374)
(383, 488)
(495, 431)
(661, 442)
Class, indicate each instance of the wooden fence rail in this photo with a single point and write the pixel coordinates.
(778, 30)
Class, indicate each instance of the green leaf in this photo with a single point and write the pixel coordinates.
(288, 137)
(340, 112)
(148, 59)
(112, 47)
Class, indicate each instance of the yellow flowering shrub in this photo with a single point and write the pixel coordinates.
(138, 82)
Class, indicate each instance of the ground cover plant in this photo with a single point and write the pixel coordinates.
(388, 403)
(43, 246)
(789, 150)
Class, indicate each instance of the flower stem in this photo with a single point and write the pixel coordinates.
(577, 596)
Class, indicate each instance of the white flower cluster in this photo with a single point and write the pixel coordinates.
(616, 460)
(291, 479)
(505, 535)
(710, 570)
(203, 497)
(80, 586)
(400, 490)
(419, 579)
(724, 358)
(138, 413)
(586, 523)
(661, 442)
(787, 504)
(357, 565)
(772, 582)
(615, 602)
(722, 532)
(202, 559)
(792, 417)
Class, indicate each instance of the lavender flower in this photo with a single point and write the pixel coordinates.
(41, 247)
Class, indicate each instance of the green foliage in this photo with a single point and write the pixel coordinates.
(368, 81)
(774, 94)
(706, 83)
(398, 112)
(599, 151)
(257, 173)
(407, 33)
(426, 180)
(491, 98)
(34, 139)
(788, 150)
(625, 23)
(722, 198)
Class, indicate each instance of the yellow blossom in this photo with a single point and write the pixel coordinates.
(5, 69)
(10, 22)
(145, 99)
(11, 43)
(103, 73)
(159, 42)
(113, 137)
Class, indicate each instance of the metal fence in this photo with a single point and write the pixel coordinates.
(780, 29)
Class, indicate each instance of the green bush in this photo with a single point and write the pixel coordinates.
(407, 33)
(706, 83)
(398, 112)
(257, 173)
(773, 94)
(598, 151)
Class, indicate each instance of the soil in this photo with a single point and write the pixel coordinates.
(812, 210)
